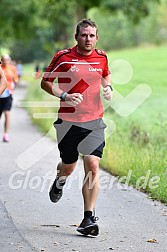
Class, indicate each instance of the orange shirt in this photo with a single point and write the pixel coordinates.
(10, 72)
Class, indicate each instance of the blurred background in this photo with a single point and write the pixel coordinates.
(134, 31)
(35, 29)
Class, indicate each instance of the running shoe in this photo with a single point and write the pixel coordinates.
(56, 190)
(88, 226)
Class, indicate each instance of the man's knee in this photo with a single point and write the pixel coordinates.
(92, 164)
(68, 168)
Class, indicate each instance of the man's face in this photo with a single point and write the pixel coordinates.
(87, 39)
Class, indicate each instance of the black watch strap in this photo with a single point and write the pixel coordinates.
(110, 87)
(63, 96)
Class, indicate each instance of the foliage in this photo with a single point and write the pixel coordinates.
(119, 32)
(35, 29)
(18, 18)
(134, 10)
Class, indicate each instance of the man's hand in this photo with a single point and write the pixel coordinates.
(74, 99)
(107, 93)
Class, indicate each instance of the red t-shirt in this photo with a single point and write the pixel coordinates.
(78, 73)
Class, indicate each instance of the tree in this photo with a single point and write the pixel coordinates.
(52, 22)
(133, 9)
(19, 19)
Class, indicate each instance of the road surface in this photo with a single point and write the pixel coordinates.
(128, 219)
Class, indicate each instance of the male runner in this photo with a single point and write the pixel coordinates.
(80, 129)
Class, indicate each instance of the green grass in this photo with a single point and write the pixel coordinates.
(35, 93)
(139, 142)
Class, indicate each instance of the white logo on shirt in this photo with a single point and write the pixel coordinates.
(91, 69)
(74, 68)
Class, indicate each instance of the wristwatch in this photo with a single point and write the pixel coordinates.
(110, 87)
(63, 96)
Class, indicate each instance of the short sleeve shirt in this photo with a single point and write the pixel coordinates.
(82, 74)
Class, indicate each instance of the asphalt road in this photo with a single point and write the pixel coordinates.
(128, 219)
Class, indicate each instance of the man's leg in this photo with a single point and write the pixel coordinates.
(66, 169)
(66, 133)
(63, 171)
(90, 192)
(91, 182)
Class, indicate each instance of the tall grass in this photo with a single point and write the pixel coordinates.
(139, 142)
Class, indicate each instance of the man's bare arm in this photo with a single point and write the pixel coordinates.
(72, 99)
(107, 88)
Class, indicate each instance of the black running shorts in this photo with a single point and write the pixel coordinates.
(6, 103)
(86, 138)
